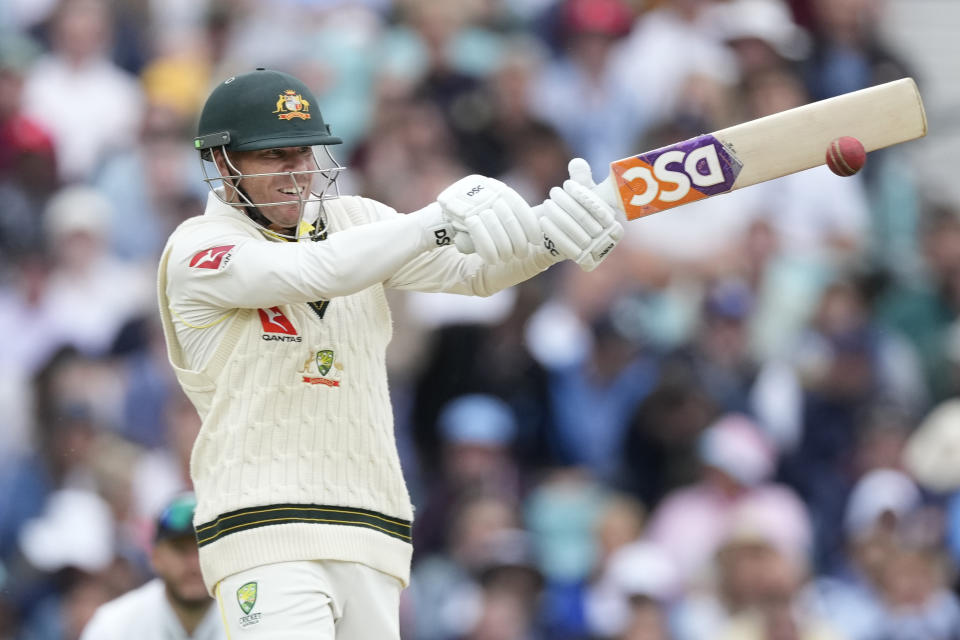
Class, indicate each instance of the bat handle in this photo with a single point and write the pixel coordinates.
(607, 190)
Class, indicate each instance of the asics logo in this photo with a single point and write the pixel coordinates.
(210, 258)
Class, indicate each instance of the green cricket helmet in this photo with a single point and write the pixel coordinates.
(265, 109)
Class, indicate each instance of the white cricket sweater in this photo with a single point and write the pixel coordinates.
(281, 348)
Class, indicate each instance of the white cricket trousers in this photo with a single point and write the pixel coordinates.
(310, 600)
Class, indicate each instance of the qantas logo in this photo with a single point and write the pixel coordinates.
(273, 321)
(211, 258)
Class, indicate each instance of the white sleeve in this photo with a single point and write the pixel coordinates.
(239, 271)
(449, 271)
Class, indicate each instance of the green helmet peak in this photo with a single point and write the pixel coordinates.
(262, 109)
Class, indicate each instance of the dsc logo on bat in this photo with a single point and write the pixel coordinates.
(670, 176)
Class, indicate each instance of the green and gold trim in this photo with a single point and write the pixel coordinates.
(244, 519)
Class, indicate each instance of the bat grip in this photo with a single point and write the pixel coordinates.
(607, 190)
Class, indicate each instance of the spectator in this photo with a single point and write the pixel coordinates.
(594, 396)
(738, 462)
(153, 207)
(761, 33)
(581, 94)
(917, 600)
(478, 433)
(660, 453)
(91, 106)
(718, 357)
(846, 364)
(774, 613)
(445, 597)
(27, 163)
(849, 52)
(924, 309)
(511, 583)
(175, 604)
(882, 502)
(632, 598)
(675, 43)
(77, 225)
(757, 588)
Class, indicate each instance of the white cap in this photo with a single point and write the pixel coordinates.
(878, 492)
(644, 569)
(74, 530)
(767, 20)
(932, 453)
(77, 209)
(640, 568)
(735, 445)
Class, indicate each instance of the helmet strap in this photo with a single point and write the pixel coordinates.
(254, 213)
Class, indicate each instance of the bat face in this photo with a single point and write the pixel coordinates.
(674, 175)
(763, 149)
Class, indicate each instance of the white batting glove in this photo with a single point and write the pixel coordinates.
(490, 218)
(577, 223)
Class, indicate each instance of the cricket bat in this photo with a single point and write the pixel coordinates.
(763, 149)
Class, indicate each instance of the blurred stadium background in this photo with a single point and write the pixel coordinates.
(744, 425)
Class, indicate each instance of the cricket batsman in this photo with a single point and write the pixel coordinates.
(276, 325)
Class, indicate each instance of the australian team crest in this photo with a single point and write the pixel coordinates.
(324, 361)
(321, 367)
(291, 104)
(247, 596)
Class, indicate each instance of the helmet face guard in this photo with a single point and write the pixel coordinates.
(312, 186)
(266, 109)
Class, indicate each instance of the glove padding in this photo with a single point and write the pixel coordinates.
(577, 223)
(490, 218)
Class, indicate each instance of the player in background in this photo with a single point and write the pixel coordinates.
(276, 324)
(175, 604)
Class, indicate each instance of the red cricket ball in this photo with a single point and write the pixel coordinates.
(846, 156)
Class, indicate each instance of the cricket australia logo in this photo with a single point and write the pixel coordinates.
(247, 598)
(292, 105)
(322, 368)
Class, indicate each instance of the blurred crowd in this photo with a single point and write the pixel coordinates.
(744, 425)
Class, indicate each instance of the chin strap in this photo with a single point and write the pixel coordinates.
(253, 212)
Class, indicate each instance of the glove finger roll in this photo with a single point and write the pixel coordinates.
(562, 219)
(524, 213)
(482, 240)
(501, 239)
(518, 239)
(575, 210)
(553, 235)
(593, 203)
